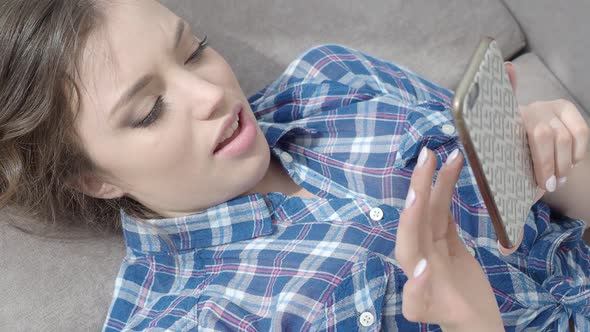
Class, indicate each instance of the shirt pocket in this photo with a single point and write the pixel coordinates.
(356, 304)
(431, 125)
(428, 124)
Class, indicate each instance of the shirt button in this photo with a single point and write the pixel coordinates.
(376, 214)
(367, 319)
(471, 250)
(448, 129)
(287, 157)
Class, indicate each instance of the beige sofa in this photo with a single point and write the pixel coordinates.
(63, 280)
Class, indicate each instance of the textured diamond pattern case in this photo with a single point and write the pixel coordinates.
(492, 132)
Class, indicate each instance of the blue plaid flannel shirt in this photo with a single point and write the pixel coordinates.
(347, 127)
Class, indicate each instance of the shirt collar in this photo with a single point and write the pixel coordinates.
(239, 219)
(275, 132)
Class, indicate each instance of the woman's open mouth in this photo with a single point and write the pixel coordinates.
(235, 128)
(242, 138)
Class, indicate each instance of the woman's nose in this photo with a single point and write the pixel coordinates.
(199, 96)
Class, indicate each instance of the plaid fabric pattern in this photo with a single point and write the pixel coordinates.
(347, 127)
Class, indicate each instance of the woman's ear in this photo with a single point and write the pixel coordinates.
(92, 185)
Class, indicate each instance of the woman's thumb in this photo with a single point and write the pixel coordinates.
(417, 295)
(511, 71)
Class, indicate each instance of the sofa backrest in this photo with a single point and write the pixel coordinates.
(557, 31)
(433, 38)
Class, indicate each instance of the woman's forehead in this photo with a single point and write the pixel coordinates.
(132, 38)
(131, 24)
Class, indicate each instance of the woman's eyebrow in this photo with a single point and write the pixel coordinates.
(146, 79)
(179, 33)
(131, 92)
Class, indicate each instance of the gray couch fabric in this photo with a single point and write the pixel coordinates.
(60, 281)
(65, 282)
(433, 38)
(536, 82)
(557, 31)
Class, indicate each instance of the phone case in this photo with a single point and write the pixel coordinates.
(491, 129)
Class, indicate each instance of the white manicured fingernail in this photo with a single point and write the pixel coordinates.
(420, 268)
(551, 184)
(452, 156)
(410, 198)
(561, 181)
(422, 157)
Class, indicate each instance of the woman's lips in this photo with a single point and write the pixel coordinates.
(241, 140)
(228, 122)
(227, 141)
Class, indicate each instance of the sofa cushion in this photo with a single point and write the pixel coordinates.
(433, 38)
(557, 31)
(536, 82)
(57, 281)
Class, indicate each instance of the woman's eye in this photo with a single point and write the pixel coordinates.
(154, 114)
(160, 105)
(195, 55)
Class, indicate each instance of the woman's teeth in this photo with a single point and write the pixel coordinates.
(230, 131)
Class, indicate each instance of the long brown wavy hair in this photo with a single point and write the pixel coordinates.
(41, 42)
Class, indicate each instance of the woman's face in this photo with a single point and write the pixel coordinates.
(152, 114)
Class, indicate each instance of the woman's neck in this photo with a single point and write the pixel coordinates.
(277, 179)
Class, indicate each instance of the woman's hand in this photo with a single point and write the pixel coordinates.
(558, 138)
(446, 285)
(557, 135)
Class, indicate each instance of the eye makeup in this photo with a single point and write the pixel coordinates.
(160, 104)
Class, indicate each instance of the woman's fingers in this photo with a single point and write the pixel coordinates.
(414, 236)
(511, 74)
(563, 149)
(442, 193)
(577, 127)
(558, 137)
(454, 243)
(540, 137)
(428, 296)
(417, 299)
(437, 271)
(543, 154)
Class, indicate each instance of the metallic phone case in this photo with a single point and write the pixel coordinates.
(491, 129)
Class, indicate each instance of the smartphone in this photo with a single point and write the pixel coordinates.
(486, 115)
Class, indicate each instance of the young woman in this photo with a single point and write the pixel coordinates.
(307, 206)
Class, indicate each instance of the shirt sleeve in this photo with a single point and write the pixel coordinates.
(559, 260)
(385, 112)
(354, 68)
(144, 297)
